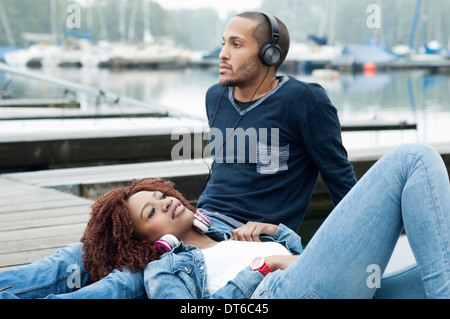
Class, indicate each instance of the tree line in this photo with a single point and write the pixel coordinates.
(341, 21)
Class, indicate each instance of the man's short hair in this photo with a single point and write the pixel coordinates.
(263, 32)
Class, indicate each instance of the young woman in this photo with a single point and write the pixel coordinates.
(408, 188)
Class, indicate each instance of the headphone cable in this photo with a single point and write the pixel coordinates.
(235, 125)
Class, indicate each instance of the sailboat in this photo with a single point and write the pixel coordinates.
(46, 51)
(319, 52)
(431, 51)
(159, 53)
(150, 52)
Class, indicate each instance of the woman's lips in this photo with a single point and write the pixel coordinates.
(177, 209)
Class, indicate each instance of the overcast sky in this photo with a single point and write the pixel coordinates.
(222, 6)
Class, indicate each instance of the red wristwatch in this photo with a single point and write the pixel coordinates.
(260, 265)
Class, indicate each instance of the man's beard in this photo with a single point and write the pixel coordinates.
(245, 73)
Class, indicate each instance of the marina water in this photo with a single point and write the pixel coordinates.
(412, 96)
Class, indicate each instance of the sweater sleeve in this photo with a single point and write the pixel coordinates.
(322, 136)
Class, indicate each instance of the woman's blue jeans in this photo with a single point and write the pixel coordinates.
(408, 188)
(61, 276)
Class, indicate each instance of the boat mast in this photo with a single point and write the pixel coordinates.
(148, 37)
(414, 26)
(6, 26)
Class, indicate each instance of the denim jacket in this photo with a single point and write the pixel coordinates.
(181, 273)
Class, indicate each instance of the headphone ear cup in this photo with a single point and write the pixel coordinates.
(201, 222)
(270, 54)
(166, 243)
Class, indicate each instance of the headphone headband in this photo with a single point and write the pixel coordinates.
(274, 28)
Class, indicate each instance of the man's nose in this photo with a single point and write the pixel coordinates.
(223, 55)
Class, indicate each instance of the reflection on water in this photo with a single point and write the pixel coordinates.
(413, 96)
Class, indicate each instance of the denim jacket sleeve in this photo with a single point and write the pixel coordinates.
(288, 238)
(174, 276)
(181, 274)
(169, 279)
(241, 287)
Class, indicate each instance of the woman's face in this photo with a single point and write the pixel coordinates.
(155, 215)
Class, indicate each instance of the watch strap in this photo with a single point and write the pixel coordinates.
(264, 269)
(259, 264)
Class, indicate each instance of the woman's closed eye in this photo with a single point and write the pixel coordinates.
(152, 211)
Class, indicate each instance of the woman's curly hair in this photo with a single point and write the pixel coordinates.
(109, 240)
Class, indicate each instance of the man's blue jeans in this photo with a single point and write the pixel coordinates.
(408, 188)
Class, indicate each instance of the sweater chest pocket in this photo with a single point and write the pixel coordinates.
(271, 159)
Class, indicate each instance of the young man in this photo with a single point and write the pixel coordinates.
(260, 181)
(271, 135)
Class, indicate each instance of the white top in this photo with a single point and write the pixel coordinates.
(226, 259)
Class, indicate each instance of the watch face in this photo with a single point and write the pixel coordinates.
(257, 263)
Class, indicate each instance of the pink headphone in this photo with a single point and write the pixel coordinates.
(167, 242)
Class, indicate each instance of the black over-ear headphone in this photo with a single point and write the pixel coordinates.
(270, 53)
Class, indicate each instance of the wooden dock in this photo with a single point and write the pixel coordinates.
(35, 222)
(77, 144)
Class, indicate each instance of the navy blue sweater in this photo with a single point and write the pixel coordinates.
(271, 178)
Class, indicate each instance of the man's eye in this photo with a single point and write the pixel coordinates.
(163, 196)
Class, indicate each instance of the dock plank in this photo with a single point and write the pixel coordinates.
(37, 244)
(43, 222)
(42, 232)
(46, 213)
(44, 204)
(18, 259)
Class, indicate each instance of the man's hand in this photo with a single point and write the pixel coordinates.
(252, 230)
